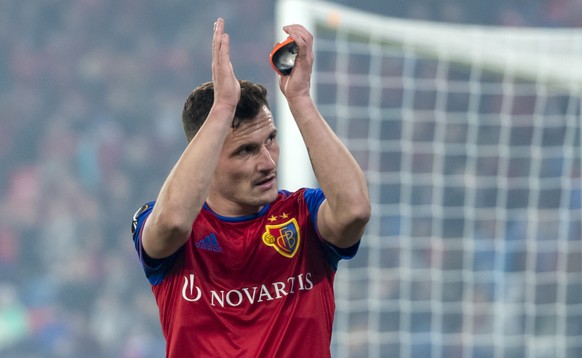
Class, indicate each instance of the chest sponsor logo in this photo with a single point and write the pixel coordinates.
(247, 295)
(190, 292)
(284, 238)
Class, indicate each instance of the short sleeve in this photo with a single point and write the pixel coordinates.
(314, 198)
(155, 269)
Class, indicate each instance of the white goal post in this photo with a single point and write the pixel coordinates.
(470, 137)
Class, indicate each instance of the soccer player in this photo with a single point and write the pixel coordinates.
(238, 267)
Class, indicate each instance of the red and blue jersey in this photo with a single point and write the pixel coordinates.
(253, 286)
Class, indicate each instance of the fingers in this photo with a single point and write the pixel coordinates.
(220, 49)
(220, 43)
(304, 40)
(217, 38)
(226, 86)
(297, 84)
(224, 54)
(299, 34)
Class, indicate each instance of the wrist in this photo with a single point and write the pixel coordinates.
(223, 110)
(300, 101)
(221, 115)
(223, 105)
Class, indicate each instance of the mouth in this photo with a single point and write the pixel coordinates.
(267, 182)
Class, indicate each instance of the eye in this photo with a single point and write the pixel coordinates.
(245, 150)
(271, 138)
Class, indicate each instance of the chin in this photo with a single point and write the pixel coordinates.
(269, 196)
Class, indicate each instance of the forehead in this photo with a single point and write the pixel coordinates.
(255, 128)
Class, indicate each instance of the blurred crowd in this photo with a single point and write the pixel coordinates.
(91, 93)
(546, 13)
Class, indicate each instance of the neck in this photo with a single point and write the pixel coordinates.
(231, 209)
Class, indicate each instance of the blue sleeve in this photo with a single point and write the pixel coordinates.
(313, 199)
(155, 269)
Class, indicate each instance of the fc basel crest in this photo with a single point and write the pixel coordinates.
(283, 237)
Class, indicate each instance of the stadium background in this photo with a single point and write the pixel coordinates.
(90, 99)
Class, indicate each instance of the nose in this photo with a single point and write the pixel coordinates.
(267, 160)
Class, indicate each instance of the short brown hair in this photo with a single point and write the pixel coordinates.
(253, 96)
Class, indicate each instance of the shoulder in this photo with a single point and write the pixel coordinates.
(305, 199)
(307, 194)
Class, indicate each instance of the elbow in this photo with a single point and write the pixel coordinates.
(164, 234)
(172, 223)
(362, 212)
(361, 206)
(358, 212)
(352, 225)
(174, 228)
(177, 228)
(357, 209)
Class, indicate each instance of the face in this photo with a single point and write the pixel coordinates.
(246, 175)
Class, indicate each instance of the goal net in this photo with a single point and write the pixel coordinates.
(471, 142)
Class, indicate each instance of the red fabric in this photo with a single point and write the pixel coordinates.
(248, 299)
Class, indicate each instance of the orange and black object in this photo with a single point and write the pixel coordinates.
(283, 56)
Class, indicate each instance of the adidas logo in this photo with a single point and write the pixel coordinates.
(209, 243)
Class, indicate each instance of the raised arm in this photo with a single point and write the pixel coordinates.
(184, 191)
(342, 217)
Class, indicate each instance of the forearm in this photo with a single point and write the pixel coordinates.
(184, 191)
(337, 172)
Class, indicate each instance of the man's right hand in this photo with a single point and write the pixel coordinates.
(226, 85)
